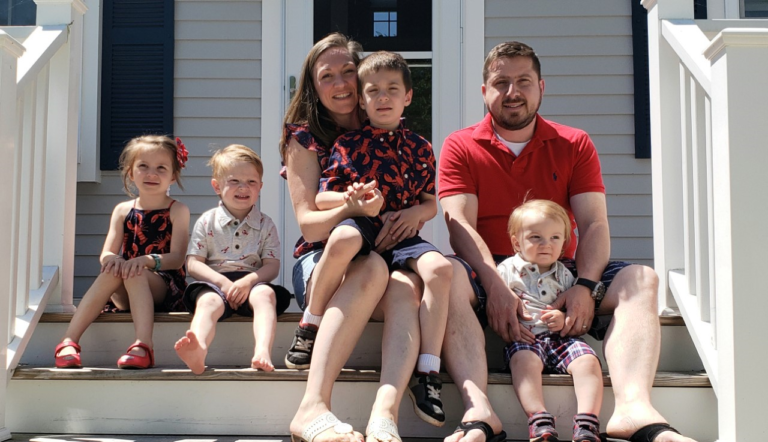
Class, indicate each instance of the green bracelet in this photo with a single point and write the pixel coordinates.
(157, 261)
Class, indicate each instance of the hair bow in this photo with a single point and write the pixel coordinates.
(181, 152)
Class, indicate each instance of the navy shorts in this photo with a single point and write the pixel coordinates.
(282, 296)
(556, 353)
(398, 256)
(599, 323)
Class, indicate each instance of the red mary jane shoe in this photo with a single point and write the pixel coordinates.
(129, 360)
(67, 361)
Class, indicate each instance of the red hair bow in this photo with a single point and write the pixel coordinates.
(181, 152)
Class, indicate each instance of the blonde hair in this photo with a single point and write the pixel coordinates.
(223, 159)
(384, 60)
(548, 209)
(147, 143)
(305, 106)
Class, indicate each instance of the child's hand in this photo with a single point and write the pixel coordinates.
(238, 292)
(555, 319)
(113, 265)
(406, 223)
(365, 200)
(133, 267)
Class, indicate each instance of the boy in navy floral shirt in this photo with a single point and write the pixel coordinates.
(402, 166)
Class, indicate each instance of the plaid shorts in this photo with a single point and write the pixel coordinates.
(556, 353)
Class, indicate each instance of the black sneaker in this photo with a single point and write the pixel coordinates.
(424, 390)
(300, 353)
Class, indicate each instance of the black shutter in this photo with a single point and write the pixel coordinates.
(137, 73)
(642, 87)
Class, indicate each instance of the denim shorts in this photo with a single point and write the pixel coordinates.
(302, 271)
(599, 323)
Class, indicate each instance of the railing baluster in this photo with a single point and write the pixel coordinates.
(38, 206)
(689, 243)
(700, 214)
(710, 218)
(25, 180)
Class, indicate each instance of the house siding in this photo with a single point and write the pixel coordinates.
(585, 48)
(217, 101)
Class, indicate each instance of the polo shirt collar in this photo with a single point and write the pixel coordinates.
(543, 131)
(521, 264)
(253, 218)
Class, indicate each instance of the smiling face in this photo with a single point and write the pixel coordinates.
(239, 188)
(335, 79)
(512, 92)
(384, 98)
(540, 239)
(152, 170)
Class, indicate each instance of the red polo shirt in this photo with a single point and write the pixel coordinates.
(558, 163)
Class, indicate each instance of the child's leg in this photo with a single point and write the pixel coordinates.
(526, 367)
(588, 383)
(436, 272)
(263, 303)
(193, 347)
(144, 291)
(341, 248)
(89, 308)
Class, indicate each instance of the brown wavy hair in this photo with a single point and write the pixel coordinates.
(305, 106)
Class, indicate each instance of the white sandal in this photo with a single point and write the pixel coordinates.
(383, 430)
(321, 423)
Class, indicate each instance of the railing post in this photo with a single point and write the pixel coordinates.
(10, 51)
(61, 146)
(666, 155)
(739, 59)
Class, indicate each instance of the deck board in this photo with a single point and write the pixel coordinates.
(663, 379)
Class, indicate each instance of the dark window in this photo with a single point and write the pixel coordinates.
(137, 73)
(641, 79)
(755, 8)
(18, 12)
(418, 116)
(700, 9)
(392, 25)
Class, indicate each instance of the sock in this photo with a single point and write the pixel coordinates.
(428, 363)
(310, 319)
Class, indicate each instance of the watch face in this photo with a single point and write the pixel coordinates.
(599, 291)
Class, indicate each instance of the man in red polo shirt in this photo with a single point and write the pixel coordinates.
(487, 170)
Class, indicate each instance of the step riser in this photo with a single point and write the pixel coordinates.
(103, 343)
(250, 408)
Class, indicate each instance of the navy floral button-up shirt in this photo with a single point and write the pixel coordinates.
(400, 160)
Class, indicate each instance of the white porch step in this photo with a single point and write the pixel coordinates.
(232, 401)
(110, 335)
(229, 399)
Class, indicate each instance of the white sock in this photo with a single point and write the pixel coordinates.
(428, 363)
(309, 318)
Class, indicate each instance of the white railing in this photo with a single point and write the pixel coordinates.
(709, 113)
(39, 107)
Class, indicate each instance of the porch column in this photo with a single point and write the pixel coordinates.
(61, 139)
(10, 51)
(739, 59)
(666, 154)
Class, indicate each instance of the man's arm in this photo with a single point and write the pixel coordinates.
(502, 306)
(592, 255)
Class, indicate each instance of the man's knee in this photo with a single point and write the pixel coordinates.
(636, 283)
(462, 292)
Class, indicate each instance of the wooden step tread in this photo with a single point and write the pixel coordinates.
(239, 373)
(53, 318)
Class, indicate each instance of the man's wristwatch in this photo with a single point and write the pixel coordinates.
(597, 288)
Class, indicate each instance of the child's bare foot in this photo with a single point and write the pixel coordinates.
(191, 352)
(262, 361)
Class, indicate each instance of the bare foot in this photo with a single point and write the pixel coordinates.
(476, 435)
(626, 421)
(191, 352)
(262, 361)
(304, 417)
